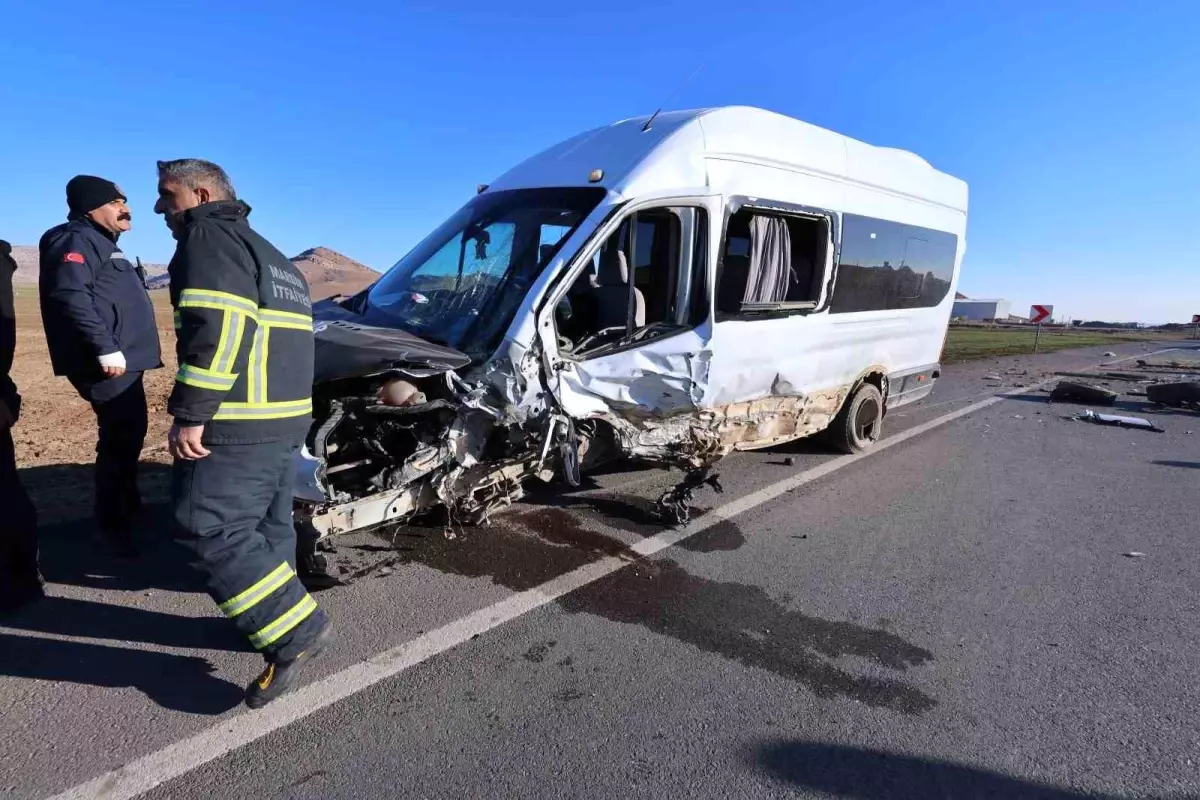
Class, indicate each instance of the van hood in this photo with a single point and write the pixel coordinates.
(346, 346)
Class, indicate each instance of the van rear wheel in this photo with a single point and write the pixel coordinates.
(860, 422)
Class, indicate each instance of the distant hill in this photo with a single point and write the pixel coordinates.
(328, 272)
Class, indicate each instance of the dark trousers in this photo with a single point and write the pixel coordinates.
(18, 526)
(120, 406)
(233, 509)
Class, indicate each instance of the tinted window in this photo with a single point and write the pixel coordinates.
(888, 265)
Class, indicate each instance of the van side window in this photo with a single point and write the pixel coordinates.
(889, 265)
(772, 262)
(663, 251)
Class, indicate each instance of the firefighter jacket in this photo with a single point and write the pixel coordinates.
(94, 302)
(243, 321)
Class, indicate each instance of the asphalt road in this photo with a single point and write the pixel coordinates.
(954, 616)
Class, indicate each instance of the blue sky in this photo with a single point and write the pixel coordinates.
(360, 126)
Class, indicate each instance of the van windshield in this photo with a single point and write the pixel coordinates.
(462, 285)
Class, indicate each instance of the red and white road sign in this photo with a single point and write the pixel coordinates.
(1196, 319)
(1040, 313)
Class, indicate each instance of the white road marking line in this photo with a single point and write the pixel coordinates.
(186, 755)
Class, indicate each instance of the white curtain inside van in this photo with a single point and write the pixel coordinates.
(770, 261)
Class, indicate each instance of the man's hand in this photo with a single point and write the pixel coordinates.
(113, 364)
(184, 442)
(7, 419)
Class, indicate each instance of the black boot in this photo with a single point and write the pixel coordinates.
(280, 676)
(21, 594)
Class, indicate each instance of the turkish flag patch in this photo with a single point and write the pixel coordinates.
(75, 258)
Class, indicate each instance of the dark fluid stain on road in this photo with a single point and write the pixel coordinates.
(715, 617)
(537, 654)
(560, 527)
(639, 515)
(525, 549)
(509, 553)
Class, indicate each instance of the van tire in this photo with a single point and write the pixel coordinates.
(859, 424)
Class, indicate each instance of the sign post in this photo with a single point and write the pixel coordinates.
(1039, 314)
(1196, 326)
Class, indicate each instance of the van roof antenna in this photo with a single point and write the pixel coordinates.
(671, 97)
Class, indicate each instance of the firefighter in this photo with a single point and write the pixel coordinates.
(242, 404)
(20, 581)
(102, 336)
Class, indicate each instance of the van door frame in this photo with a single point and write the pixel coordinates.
(554, 361)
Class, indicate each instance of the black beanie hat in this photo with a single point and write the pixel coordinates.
(87, 193)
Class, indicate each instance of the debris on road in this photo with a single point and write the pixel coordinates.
(1122, 422)
(790, 461)
(1109, 354)
(675, 505)
(1109, 376)
(1135, 554)
(992, 377)
(1177, 395)
(1074, 392)
(1174, 365)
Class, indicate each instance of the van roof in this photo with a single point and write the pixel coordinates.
(678, 149)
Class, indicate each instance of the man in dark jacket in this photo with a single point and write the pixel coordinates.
(20, 581)
(242, 405)
(100, 327)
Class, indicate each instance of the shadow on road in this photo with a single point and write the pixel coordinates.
(862, 774)
(179, 683)
(70, 552)
(1180, 464)
(64, 616)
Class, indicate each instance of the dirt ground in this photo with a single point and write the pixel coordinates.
(56, 435)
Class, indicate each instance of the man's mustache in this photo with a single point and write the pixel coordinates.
(125, 217)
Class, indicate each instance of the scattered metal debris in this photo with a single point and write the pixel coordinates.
(992, 377)
(790, 461)
(1108, 376)
(1177, 395)
(675, 506)
(1074, 392)
(1121, 422)
(1135, 554)
(1109, 354)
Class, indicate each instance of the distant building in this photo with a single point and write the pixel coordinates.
(980, 310)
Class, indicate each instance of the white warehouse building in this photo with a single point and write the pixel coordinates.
(979, 310)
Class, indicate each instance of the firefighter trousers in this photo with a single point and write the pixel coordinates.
(233, 510)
